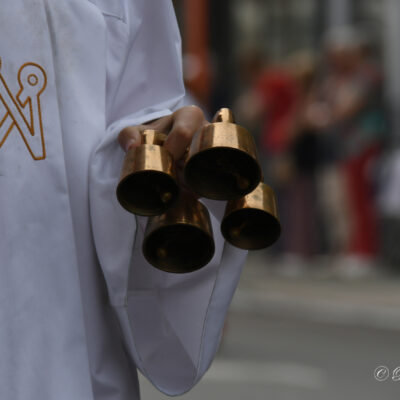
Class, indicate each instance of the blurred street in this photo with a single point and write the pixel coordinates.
(304, 335)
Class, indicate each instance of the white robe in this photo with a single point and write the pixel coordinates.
(80, 309)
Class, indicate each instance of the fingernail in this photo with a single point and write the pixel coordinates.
(129, 144)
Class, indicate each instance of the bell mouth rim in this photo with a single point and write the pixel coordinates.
(221, 197)
(210, 245)
(126, 205)
(267, 243)
(143, 171)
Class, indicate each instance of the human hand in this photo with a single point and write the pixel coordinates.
(180, 126)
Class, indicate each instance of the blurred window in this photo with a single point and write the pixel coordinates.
(370, 15)
(278, 27)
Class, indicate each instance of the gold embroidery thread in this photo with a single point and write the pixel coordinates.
(23, 112)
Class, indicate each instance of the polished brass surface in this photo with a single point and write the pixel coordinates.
(150, 136)
(252, 222)
(222, 163)
(148, 184)
(180, 240)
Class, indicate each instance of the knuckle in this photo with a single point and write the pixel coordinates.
(184, 132)
(128, 135)
(130, 132)
(122, 136)
(197, 112)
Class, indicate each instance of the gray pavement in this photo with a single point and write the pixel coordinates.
(309, 336)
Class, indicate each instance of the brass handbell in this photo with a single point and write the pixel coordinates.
(181, 240)
(252, 222)
(222, 163)
(148, 184)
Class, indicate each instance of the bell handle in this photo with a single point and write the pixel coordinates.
(224, 115)
(153, 137)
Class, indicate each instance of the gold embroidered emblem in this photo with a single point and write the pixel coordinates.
(23, 112)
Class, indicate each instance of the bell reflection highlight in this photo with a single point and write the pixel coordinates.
(222, 163)
(252, 222)
(148, 183)
(181, 240)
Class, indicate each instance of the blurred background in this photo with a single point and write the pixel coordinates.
(318, 84)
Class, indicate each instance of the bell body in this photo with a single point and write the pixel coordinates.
(180, 240)
(252, 222)
(222, 163)
(148, 184)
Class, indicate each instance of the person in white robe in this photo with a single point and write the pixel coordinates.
(80, 308)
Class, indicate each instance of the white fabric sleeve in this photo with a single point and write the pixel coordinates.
(171, 324)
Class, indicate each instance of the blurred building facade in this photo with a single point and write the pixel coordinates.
(216, 32)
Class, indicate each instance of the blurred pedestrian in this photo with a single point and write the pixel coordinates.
(301, 234)
(276, 99)
(268, 105)
(346, 108)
